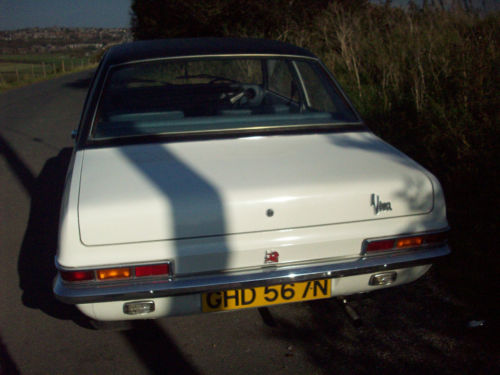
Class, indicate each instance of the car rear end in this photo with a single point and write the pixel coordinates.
(190, 227)
(214, 183)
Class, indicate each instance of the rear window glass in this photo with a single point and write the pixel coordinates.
(216, 94)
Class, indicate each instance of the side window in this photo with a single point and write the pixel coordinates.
(317, 96)
(281, 80)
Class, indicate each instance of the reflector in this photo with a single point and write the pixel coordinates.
(77, 275)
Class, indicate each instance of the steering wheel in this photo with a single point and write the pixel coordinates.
(249, 94)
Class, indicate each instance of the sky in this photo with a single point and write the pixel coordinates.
(18, 14)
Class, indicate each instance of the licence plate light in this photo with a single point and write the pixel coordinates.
(113, 273)
(138, 307)
(385, 278)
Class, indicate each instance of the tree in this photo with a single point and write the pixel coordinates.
(153, 19)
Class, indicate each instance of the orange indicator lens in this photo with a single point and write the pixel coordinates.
(409, 242)
(113, 273)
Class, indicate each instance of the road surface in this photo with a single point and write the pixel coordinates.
(420, 328)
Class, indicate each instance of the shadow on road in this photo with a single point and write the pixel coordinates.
(7, 365)
(156, 350)
(23, 173)
(36, 258)
(413, 329)
(82, 83)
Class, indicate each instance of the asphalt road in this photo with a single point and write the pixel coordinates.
(420, 328)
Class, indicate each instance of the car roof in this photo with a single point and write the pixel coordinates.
(153, 49)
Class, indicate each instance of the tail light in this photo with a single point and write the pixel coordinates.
(118, 273)
(406, 242)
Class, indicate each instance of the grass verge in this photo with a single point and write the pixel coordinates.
(21, 70)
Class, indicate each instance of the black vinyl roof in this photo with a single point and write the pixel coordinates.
(152, 49)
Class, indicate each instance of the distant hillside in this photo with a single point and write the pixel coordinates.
(59, 39)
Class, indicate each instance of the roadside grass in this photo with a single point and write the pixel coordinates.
(11, 67)
(21, 70)
(47, 58)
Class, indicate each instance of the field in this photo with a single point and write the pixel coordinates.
(18, 70)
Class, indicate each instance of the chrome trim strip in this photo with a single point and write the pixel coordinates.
(246, 129)
(301, 81)
(75, 294)
(216, 56)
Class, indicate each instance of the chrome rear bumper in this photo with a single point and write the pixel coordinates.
(326, 269)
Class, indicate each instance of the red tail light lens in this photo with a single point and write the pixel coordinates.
(77, 275)
(152, 270)
(380, 245)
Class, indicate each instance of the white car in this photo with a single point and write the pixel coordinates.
(221, 174)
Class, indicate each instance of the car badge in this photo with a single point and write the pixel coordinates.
(378, 205)
(272, 256)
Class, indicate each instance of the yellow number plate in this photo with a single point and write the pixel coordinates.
(265, 295)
